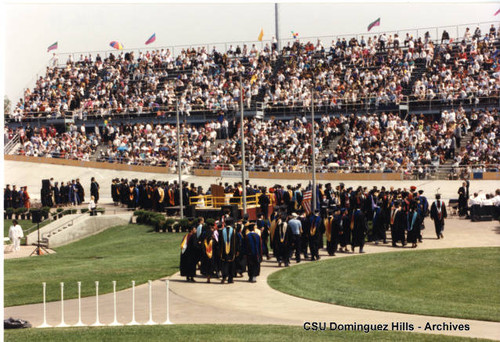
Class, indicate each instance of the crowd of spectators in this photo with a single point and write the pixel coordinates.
(386, 142)
(47, 142)
(463, 72)
(375, 70)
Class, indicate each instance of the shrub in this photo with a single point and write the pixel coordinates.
(59, 210)
(84, 210)
(169, 224)
(184, 225)
(101, 210)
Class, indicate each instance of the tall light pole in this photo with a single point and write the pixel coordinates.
(243, 168)
(181, 199)
(313, 154)
(277, 25)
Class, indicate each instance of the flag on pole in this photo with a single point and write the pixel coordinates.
(306, 201)
(52, 47)
(375, 23)
(261, 34)
(116, 45)
(151, 39)
(295, 35)
(496, 12)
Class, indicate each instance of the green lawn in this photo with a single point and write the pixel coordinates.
(123, 253)
(461, 283)
(215, 333)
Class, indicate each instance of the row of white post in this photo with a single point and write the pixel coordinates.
(97, 321)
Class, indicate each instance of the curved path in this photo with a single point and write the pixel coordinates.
(243, 302)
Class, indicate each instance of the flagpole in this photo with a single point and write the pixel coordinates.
(243, 168)
(181, 200)
(313, 154)
(277, 25)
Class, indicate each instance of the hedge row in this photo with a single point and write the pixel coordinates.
(161, 223)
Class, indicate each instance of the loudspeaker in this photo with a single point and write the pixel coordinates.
(46, 184)
(233, 211)
(190, 210)
(36, 215)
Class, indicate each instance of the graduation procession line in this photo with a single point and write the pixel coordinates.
(257, 303)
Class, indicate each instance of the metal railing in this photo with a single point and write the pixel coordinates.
(209, 201)
(11, 144)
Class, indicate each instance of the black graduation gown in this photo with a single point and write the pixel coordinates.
(315, 229)
(94, 190)
(438, 214)
(331, 242)
(398, 227)
(228, 249)
(414, 227)
(378, 225)
(359, 229)
(188, 257)
(282, 242)
(241, 258)
(263, 225)
(208, 255)
(346, 230)
(253, 248)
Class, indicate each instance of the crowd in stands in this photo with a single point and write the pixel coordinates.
(376, 70)
(384, 142)
(47, 142)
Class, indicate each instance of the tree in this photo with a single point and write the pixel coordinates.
(6, 105)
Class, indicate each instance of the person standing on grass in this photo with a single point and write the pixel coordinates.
(438, 214)
(188, 255)
(15, 235)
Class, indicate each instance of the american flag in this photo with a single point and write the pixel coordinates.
(306, 201)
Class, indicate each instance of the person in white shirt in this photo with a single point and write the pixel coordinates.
(92, 206)
(15, 235)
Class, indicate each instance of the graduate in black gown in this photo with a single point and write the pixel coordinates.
(438, 214)
(263, 225)
(253, 249)
(315, 227)
(399, 222)
(209, 254)
(228, 250)
(345, 230)
(328, 223)
(282, 241)
(359, 228)
(241, 258)
(378, 223)
(414, 224)
(188, 255)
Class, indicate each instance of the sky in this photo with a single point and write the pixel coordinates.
(29, 28)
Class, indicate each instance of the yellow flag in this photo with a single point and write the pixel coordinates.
(261, 35)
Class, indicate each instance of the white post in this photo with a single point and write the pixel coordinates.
(97, 323)
(150, 322)
(168, 305)
(62, 324)
(115, 321)
(79, 323)
(133, 322)
(44, 324)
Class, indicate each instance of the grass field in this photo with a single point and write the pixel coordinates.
(461, 283)
(215, 333)
(123, 253)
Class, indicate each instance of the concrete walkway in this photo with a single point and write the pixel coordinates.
(243, 302)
